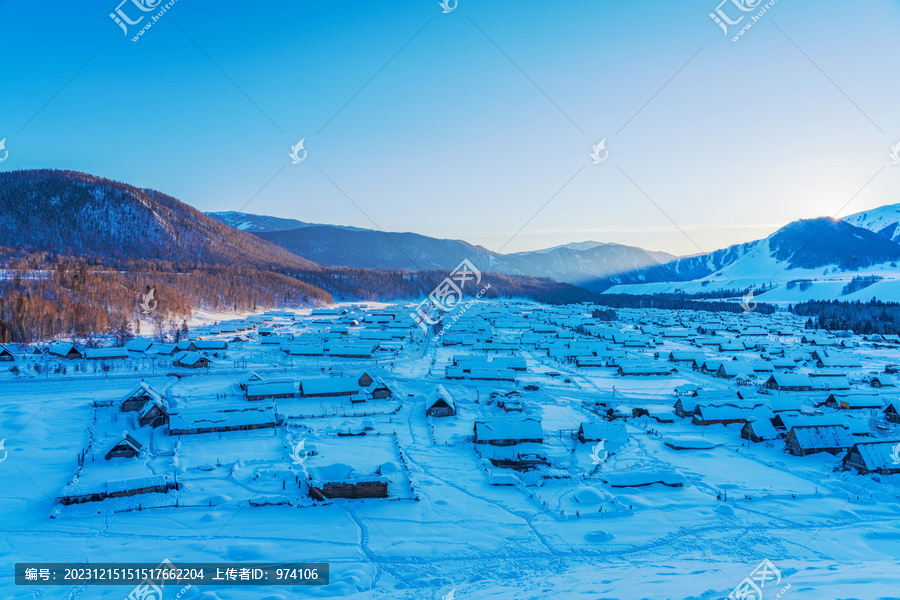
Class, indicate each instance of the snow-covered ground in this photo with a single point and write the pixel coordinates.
(564, 529)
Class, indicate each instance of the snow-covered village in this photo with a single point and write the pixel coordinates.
(519, 449)
(449, 300)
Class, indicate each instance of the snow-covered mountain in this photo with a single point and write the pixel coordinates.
(884, 220)
(808, 259)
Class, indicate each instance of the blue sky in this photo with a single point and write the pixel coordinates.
(474, 123)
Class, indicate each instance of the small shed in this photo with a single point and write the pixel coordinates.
(127, 447)
(439, 403)
(380, 390)
(891, 414)
(759, 430)
(190, 360)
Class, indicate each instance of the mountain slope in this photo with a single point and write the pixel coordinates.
(814, 243)
(262, 223)
(94, 218)
(884, 220)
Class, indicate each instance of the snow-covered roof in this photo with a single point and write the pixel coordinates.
(814, 437)
(791, 380)
(311, 386)
(509, 428)
(270, 388)
(62, 348)
(105, 353)
(858, 400)
(340, 472)
(79, 488)
(198, 418)
(138, 345)
(143, 389)
(188, 358)
(644, 477)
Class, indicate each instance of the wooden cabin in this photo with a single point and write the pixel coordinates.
(380, 390)
(65, 350)
(6, 354)
(190, 360)
(343, 481)
(789, 382)
(508, 431)
(854, 402)
(78, 492)
(880, 456)
(153, 414)
(891, 414)
(137, 398)
(802, 440)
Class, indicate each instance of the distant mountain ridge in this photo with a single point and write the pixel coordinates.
(577, 263)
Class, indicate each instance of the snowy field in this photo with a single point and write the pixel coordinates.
(556, 517)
